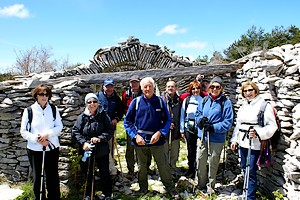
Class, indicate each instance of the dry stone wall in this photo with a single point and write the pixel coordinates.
(275, 71)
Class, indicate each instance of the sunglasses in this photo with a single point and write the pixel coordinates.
(89, 102)
(196, 88)
(43, 94)
(215, 86)
(249, 90)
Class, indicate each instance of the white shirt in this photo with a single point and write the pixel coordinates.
(42, 122)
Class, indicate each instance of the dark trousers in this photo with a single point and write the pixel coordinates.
(50, 171)
(103, 166)
(191, 141)
(252, 184)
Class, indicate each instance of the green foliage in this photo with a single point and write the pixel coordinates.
(121, 133)
(277, 195)
(166, 49)
(202, 59)
(28, 191)
(256, 39)
(5, 77)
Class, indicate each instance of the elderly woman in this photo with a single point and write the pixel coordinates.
(41, 126)
(214, 117)
(93, 126)
(187, 124)
(247, 123)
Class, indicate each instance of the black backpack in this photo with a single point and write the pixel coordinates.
(30, 115)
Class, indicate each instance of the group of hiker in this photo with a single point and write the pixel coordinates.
(155, 125)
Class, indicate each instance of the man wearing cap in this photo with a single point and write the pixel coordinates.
(215, 117)
(112, 104)
(147, 122)
(133, 91)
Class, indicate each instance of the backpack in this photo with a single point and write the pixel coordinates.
(138, 101)
(260, 119)
(30, 115)
(266, 147)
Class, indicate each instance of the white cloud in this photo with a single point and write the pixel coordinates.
(16, 10)
(171, 29)
(192, 45)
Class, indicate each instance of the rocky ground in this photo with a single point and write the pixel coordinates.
(124, 188)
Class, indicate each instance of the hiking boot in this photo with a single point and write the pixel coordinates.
(174, 194)
(87, 198)
(151, 172)
(142, 192)
(130, 175)
(190, 174)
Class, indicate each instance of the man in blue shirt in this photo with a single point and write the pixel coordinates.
(147, 122)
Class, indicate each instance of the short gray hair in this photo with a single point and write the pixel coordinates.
(146, 80)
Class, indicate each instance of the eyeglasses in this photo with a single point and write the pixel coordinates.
(196, 88)
(43, 94)
(215, 86)
(89, 102)
(249, 90)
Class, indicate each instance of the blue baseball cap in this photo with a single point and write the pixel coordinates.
(108, 82)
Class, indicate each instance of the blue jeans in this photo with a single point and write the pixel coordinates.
(252, 184)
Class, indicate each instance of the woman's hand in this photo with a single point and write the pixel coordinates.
(42, 137)
(233, 146)
(95, 140)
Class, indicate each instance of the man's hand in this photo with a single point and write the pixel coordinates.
(209, 127)
(172, 126)
(155, 137)
(182, 137)
(114, 122)
(139, 140)
(233, 146)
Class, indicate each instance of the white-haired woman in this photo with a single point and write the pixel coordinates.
(93, 126)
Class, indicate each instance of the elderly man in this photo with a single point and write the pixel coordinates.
(171, 98)
(147, 122)
(133, 91)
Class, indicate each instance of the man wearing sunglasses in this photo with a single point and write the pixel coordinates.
(214, 118)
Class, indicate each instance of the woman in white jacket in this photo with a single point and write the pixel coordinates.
(42, 133)
(247, 127)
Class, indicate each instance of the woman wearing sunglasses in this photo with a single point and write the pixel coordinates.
(247, 125)
(214, 117)
(188, 127)
(93, 130)
(41, 128)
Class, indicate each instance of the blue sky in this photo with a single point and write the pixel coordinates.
(78, 28)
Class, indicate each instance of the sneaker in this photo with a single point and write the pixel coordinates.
(87, 198)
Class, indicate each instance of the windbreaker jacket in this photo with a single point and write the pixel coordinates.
(127, 97)
(42, 122)
(112, 105)
(99, 126)
(221, 120)
(247, 116)
(151, 116)
(190, 111)
(174, 108)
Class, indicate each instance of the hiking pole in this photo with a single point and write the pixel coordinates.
(118, 155)
(87, 154)
(170, 146)
(209, 171)
(93, 178)
(42, 173)
(247, 171)
(198, 163)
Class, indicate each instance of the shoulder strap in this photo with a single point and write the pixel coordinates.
(187, 101)
(137, 102)
(204, 101)
(160, 102)
(53, 111)
(29, 110)
(261, 113)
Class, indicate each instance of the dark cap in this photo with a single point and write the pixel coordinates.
(108, 82)
(218, 80)
(135, 78)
